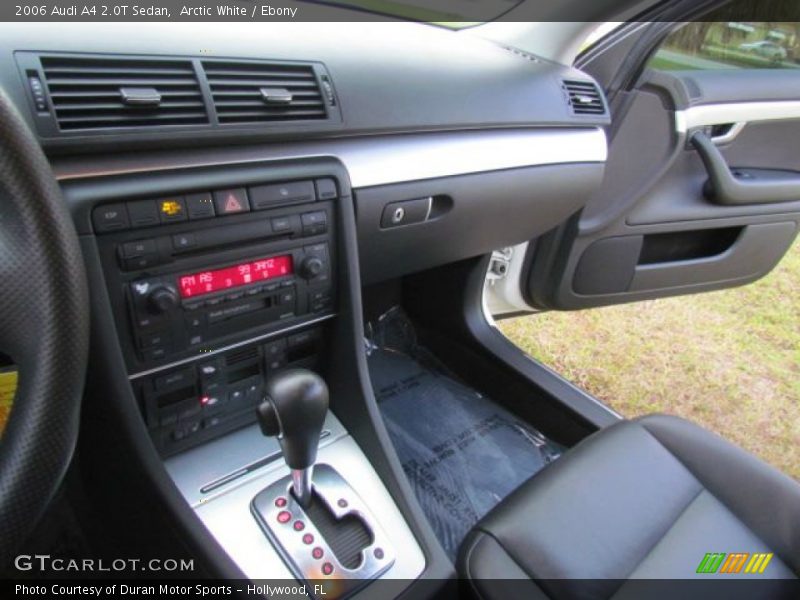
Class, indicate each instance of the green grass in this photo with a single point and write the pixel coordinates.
(728, 360)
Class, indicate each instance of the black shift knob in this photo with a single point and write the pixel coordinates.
(294, 409)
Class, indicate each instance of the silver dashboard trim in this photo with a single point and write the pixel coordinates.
(216, 351)
(735, 112)
(226, 511)
(382, 159)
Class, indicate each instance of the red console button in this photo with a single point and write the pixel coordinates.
(284, 516)
(327, 568)
(317, 552)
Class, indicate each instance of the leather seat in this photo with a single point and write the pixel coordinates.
(642, 499)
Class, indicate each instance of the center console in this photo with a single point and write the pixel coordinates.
(219, 283)
(213, 290)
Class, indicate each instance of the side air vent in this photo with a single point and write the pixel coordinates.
(99, 93)
(584, 97)
(254, 92)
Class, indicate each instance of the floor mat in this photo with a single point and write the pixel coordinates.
(461, 452)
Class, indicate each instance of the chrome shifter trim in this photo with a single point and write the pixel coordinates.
(301, 485)
(279, 514)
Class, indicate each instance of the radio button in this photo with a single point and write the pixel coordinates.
(326, 189)
(200, 206)
(143, 213)
(314, 223)
(153, 339)
(286, 297)
(153, 354)
(195, 323)
(281, 224)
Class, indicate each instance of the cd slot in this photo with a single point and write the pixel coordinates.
(219, 238)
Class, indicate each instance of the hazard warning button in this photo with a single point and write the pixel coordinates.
(229, 202)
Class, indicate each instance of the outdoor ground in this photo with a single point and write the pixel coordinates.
(728, 360)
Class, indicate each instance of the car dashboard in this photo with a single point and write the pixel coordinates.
(235, 188)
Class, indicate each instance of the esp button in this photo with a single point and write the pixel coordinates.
(110, 217)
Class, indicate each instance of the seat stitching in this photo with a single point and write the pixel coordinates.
(658, 541)
(515, 561)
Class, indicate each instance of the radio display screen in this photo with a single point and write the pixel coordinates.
(207, 282)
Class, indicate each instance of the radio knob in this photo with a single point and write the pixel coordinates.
(311, 267)
(162, 299)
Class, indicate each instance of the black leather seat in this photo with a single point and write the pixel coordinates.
(643, 499)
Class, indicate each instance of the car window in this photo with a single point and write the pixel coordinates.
(730, 45)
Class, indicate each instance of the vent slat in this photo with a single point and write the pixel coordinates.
(259, 83)
(223, 104)
(119, 81)
(129, 117)
(86, 92)
(235, 89)
(584, 97)
(71, 108)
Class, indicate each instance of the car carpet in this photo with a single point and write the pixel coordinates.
(461, 452)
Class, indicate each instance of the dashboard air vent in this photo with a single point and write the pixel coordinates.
(99, 93)
(248, 92)
(584, 97)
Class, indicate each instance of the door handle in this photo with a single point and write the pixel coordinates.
(752, 186)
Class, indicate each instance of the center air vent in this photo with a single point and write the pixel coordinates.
(584, 97)
(98, 93)
(248, 92)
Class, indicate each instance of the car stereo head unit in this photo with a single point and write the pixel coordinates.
(195, 271)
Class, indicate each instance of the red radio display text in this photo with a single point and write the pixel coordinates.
(207, 282)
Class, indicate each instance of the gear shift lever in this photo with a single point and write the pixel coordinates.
(294, 409)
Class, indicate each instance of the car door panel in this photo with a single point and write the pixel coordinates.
(657, 226)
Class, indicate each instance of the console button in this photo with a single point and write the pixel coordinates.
(152, 354)
(183, 241)
(286, 297)
(303, 338)
(200, 206)
(151, 340)
(230, 202)
(172, 209)
(326, 189)
(281, 224)
(173, 380)
(276, 348)
(314, 223)
(208, 370)
(110, 217)
(139, 263)
(138, 248)
(143, 213)
(266, 196)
